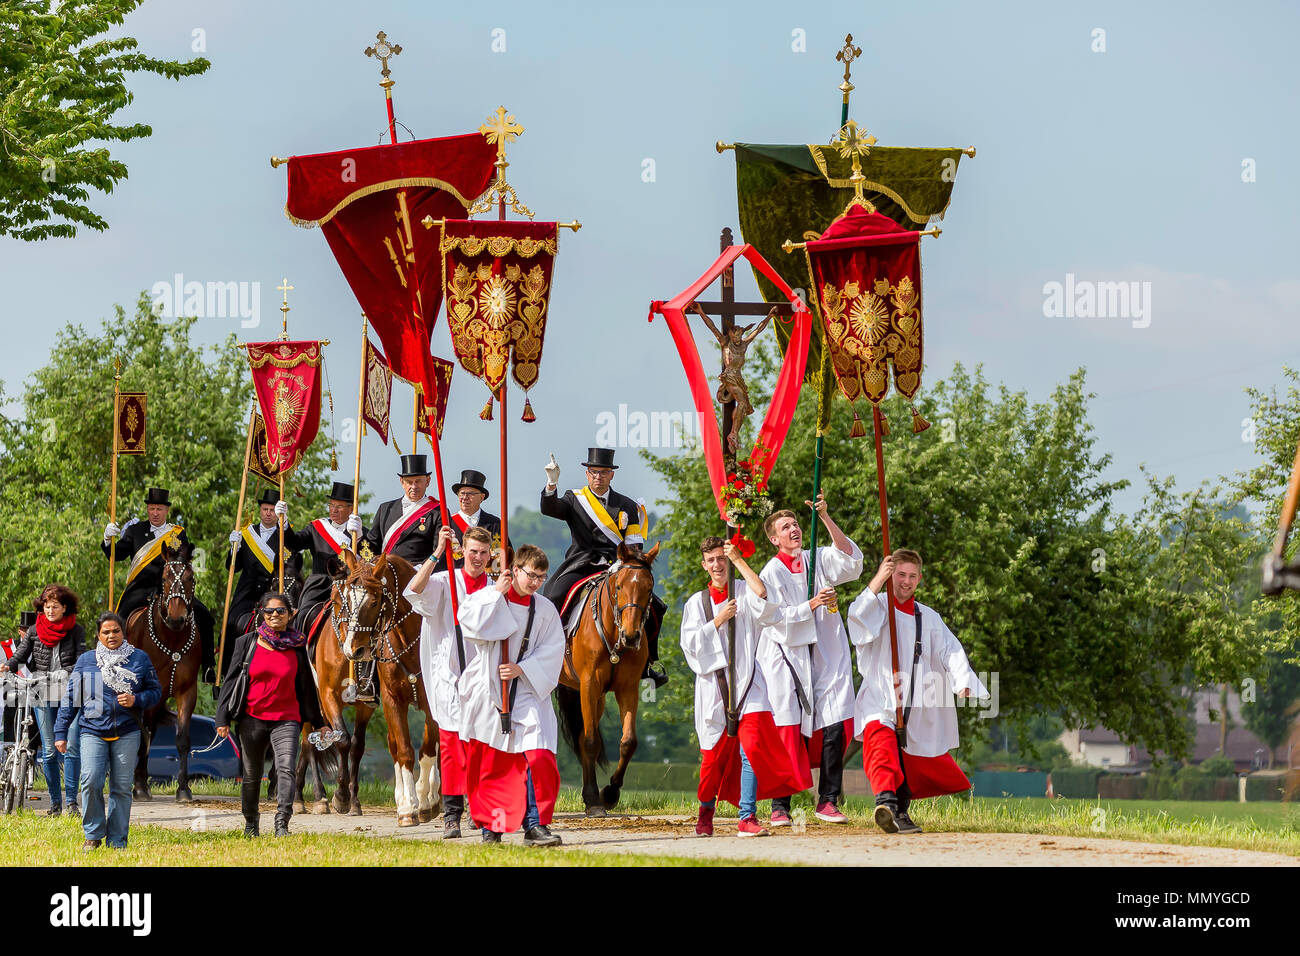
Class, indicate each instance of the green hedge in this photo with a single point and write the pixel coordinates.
(1076, 782)
(643, 775)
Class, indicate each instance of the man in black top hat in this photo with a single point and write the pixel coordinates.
(471, 491)
(599, 519)
(258, 552)
(326, 538)
(407, 526)
(141, 543)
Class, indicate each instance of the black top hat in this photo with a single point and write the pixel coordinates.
(469, 478)
(269, 497)
(342, 491)
(26, 619)
(413, 466)
(600, 458)
(157, 496)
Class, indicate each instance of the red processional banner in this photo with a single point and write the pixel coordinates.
(434, 413)
(286, 379)
(370, 203)
(497, 282)
(130, 412)
(259, 459)
(867, 275)
(785, 396)
(377, 398)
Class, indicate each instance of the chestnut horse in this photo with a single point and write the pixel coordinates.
(165, 629)
(370, 620)
(606, 653)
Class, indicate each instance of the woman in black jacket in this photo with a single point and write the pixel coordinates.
(50, 648)
(269, 690)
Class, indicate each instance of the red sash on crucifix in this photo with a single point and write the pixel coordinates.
(327, 535)
(398, 528)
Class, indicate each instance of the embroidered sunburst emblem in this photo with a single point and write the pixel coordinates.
(497, 298)
(870, 318)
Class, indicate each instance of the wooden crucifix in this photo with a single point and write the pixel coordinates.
(734, 398)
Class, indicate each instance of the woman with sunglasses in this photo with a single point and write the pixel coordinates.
(270, 692)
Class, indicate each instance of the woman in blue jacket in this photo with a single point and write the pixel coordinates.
(110, 688)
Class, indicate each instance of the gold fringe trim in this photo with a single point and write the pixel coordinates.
(309, 357)
(498, 245)
(365, 191)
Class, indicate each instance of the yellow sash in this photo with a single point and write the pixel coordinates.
(150, 551)
(597, 511)
(260, 549)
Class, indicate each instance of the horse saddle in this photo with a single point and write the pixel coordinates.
(576, 600)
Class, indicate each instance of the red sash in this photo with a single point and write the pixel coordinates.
(322, 529)
(420, 512)
(461, 524)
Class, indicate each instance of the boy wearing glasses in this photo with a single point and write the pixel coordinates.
(511, 732)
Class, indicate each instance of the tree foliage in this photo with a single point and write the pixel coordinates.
(61, 84)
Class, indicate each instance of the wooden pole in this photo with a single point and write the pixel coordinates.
(729, 464)
(415, 424)
(889, 583)
(112, 484)
(280, 544)
(505, 509)
(361, 426)
(230, 575)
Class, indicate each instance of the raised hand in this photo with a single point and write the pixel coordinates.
(552, 469)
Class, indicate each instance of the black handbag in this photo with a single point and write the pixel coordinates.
(237, 693)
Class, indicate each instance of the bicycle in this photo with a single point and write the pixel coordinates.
(20, 760)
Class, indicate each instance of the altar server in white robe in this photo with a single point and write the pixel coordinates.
(805, 658)
(443, 655)
(510, 769)
(932, 667)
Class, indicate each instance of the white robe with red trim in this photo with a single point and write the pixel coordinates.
(439, 659)
(942, 669)
(705, 649)
(814, 642)
(487, 619)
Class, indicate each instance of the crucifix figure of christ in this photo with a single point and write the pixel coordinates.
(732, 388)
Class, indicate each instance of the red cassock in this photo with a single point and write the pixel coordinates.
(926, 776)
(777, 754)
(499, 797)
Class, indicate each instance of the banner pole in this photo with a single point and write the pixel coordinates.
(889, 584)
(280, 544)
(112, 485)
(230, 574)
(361, 426)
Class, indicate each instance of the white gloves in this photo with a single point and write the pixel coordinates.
(354, 524)
(111, 530)
(281, 508)
(553, 471)
(235, 538)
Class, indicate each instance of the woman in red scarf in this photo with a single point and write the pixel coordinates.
(50, 648)
(269, 690)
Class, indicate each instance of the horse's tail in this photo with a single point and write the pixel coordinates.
(327, 760)
(570, 708)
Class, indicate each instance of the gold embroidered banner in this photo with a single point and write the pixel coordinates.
(286, 379)
(497, 282)
(259, 460)
(378, 392)
(130, 423)
(435, 412)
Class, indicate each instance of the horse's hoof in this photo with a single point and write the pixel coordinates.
(141, 793)
(184, 796)
(340, 802)
(320, 806)
(609, 796)
(354, 810)
(427, 815)
(407, 820)
(299, 806)
(596, 811)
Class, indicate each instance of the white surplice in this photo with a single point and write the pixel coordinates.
(705, 648)
(941, 670)
(487, 619)
(439, 658)
(810, 644)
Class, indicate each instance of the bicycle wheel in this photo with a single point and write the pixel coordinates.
(7, 783)
(24, 758)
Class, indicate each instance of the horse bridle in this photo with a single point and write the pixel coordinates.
(390, 604)
(625, 641)
(175, 591)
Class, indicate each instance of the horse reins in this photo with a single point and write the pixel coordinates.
(175, 591)
(609, 586)
(387, 601)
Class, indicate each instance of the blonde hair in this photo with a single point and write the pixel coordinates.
(907, 556)
(769, 525)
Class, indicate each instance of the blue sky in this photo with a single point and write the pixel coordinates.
(1122, 165)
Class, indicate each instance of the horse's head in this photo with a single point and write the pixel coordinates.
(364, 604)
(177, 584)
(632, 583)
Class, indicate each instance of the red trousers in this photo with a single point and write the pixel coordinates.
(777, 755)
(926, 776)
(497, 784)
(451, 763)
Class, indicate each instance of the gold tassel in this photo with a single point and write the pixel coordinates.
(858, 430)
(486, 414)
(884, 426)
(334, 460)
(919, 424)
(528, 415)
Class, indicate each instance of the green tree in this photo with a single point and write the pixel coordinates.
(55, 455)
(62, 81)
(1272, 714)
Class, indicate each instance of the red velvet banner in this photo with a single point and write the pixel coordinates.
(497, 279)
(369, 202)
(867, 274)
(286, 379)
(435, 412)
(785, 396)
(378, 392)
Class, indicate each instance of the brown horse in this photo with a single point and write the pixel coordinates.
(166, 630)
(372, 621)
(606, 653)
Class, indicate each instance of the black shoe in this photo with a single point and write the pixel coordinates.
(451, 827)
(73, 809)
(92, 845)
(491, 837)
(540, 835)
(905, 823)
(54, 812)
(656, 674)
(281, 829)
(250, 827)
(887, 811)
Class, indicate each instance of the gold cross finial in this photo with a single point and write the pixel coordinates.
(846, 56)
(117, 366)
(499, 130)
(383, 50)
(284, 288)
(852, 144)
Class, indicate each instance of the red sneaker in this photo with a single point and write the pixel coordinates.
(829, 813)
(749, 827)
(780, 818)
(704, 825)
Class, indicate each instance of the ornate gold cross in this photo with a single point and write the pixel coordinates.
(499, 130)
(384, 50)
(853, 145)
(846, 56)
(284, 288)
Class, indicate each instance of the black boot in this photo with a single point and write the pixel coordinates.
(490, 836)
(282, 824)
(452, 808)
(905, 823)
(655, 614)
(654, 673)
(541, 835)
(887, 811)
(250, 826)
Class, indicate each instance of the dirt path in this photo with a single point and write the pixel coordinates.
(818, 846)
